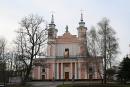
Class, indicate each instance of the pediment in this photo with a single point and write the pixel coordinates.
(67, 38)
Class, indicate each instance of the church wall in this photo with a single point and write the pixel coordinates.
(48, 50)
(82, 70)
(35, 73)
(79, 68)
(73, 49)
(51, 71)
(51, 50)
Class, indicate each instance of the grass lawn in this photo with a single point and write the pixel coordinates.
(18, 86)
(94, 85)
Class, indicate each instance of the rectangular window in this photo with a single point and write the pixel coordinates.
(43, 70)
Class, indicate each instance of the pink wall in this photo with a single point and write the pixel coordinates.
(35, 72)
(82, 71)
(51, 70)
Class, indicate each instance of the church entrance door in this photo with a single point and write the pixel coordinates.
(66, 75)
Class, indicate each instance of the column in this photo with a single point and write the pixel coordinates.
(62, 71)
(54, 70)
(79, 70)
(57, 70)
(75, 70)
(46, 73)
(86, 69)
(33, 71)
(55, 73)
(95, 75)
(39, 73)
(71, 69)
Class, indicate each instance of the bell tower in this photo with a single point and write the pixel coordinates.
(52, 31)
(82, 29)
(82, 37)
(52, 35)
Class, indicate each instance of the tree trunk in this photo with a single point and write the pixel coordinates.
(26, 76)
(104, 77)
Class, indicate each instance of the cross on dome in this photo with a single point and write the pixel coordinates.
(81, 15)
(52, 17)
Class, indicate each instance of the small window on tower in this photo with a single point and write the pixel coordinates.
(50, 34)
(66, 53)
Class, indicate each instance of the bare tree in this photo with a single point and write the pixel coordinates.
(103, 43)
(2, 60)
(112, 48)
(2, 48)
(93, 42)
(108, 43)
(14, 65)
(94, 48)
(32, 35)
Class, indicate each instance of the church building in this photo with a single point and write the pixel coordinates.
(67, 57)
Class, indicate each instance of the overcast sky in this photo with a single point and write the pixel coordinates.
(67, 12)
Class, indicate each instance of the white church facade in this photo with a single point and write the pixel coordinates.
(67, 57)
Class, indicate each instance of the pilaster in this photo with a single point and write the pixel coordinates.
(57, 70)
(79, 71)
(62, 71)
(71, 69)
(75, 70)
